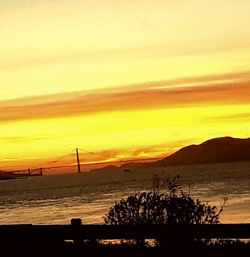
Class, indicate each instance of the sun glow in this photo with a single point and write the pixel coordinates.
(134, 78)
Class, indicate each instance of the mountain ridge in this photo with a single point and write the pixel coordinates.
(215, 150)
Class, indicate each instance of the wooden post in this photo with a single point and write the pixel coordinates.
(76, 225)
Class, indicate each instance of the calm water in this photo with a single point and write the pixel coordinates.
(56, 199)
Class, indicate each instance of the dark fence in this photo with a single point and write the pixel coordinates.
(69, 232)
(76, 229)
(51, 236)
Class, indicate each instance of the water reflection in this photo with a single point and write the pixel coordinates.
(57, 199)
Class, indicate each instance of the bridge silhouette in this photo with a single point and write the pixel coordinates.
(75, 163)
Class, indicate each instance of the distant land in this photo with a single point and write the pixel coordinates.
(9, 175)
(14, 175)
(216, 150)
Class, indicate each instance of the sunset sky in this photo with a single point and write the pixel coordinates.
(120, 78)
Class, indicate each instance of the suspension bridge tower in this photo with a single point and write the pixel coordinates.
(78, 161)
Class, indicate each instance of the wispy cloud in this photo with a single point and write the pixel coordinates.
(239, 117)
(168, 50)
(19, 139)
(221, 89)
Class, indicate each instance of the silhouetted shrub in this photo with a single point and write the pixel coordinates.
(173, 207)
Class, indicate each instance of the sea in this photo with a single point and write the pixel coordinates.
(56, 199)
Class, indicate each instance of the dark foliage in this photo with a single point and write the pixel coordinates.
(173, 207)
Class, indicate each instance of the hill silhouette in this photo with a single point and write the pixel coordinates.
(216, 150)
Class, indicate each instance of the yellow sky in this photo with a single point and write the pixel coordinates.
(132, 78)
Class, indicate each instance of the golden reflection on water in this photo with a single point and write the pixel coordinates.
(59, 198)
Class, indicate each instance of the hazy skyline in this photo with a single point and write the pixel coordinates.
(130, 78)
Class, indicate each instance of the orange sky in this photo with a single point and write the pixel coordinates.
(131, 79)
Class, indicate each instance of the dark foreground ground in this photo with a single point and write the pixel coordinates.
(94, 249)
(108, 240)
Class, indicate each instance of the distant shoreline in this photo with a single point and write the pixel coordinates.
(11, 176)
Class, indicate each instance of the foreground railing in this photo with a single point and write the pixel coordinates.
(76, 229)
(36, 236)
